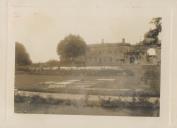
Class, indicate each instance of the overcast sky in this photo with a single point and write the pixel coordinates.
(41, 24)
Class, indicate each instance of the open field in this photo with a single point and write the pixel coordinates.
(93, 89)
(121, 78)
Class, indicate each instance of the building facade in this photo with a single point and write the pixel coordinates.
(112, 54)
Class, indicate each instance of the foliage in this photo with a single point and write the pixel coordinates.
(70, 47)
(52, 63)
(151, 36)
(21, 55)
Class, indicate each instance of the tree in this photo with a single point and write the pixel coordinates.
(53, 63)
(71, 47)
(151, 37)
(21, 56)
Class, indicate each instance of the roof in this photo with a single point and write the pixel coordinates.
(109, 45)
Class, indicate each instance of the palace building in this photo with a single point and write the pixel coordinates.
(112, 54)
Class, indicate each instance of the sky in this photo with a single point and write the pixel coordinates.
(41, 24)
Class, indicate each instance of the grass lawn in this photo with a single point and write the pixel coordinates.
(135, 78)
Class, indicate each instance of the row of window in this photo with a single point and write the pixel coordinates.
(111, 51)
(110, 59)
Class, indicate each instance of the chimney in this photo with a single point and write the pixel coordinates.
(123, 40)
(102, 41)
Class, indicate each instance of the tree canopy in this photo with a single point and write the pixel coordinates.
(52, 62)
(21, 55)
(71, 46)
(151, 37)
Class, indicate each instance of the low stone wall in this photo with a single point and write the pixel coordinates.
(86, 100)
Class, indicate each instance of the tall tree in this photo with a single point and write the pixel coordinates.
(70, 47)
(21, 55)
(151, 37)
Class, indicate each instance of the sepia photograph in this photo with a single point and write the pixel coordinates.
(86, 59)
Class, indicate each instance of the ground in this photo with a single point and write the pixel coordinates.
(109, 84)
